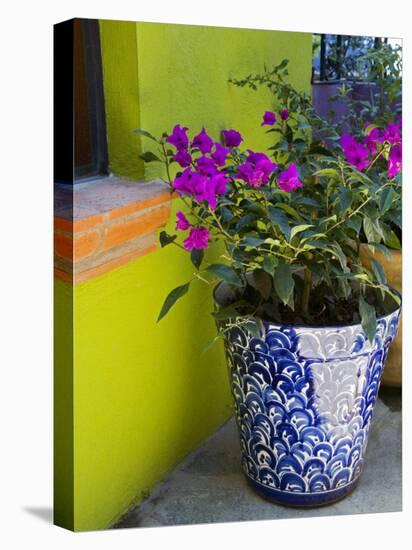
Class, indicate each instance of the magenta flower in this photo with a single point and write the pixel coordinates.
(206, 166)
(182, 222)
(201, 187)
(216, 186)
(203, 142)
(288, 180)
(232, 138)
(256, 170)
(269, 118)
(371, 139)
(392, 133)
(185, 182)
(284, 114)
(219, 155)
(395, 160)
(178, 137)
(356, 153)
(198, 238)
(183, 158)
(207, 189)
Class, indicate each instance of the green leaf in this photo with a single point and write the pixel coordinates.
(391, 240)
(328, 172)
(371, 233)
(386, 199)
(282, 65)
(228, 312)
(166, 239)
(368, 318)
(345, 198)
(318, 149)
(225, 272)
(171, 298)
(248, 219)
(253, 326)
(146, 134)
(370, 127)
(251, 240)
(269, 264)
(299, 228)
(261, 281)
(196, 256)
(308, 201)
(149, 157)
(278, 218)
(354, 222)
(283, 281)
(340, 255)
(379, 272)
(289, 210)
(283, 145)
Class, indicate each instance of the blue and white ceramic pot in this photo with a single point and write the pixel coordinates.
(304, 400)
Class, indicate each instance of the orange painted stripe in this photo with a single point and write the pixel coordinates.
(87, 223)
(85, 244)
(63, 224)
(78, 225)
(63, 245)
(125, 231)
(139, 205)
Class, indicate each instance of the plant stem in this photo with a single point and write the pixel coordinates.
(359, 208)
(374, 160)
(166, 162)
(307, 287)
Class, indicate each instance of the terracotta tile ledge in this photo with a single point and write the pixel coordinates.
(105, 223)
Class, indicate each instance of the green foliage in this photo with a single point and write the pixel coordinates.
(226, 273)
(166, 239)
(148, 156)
(171, 298)
(295, 255)
(196, 257)
(283, 281)
(368, 318)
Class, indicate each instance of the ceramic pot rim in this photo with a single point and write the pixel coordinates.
(318, 327)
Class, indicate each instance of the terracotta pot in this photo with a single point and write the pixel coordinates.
(392, 374)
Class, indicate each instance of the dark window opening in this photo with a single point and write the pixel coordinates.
(80, 146)
(90, 148)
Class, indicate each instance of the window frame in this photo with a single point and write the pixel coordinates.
(65, 169)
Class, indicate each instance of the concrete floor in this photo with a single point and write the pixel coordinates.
(209, 486)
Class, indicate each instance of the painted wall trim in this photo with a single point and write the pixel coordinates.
(107, 223)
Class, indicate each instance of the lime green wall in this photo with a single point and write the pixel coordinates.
(144, 396)
(183, 74)
(63, 509)
(120, 74)
(194, 64)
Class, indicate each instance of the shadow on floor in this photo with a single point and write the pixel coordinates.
(41, 512)
(209, 485)
(392, 397)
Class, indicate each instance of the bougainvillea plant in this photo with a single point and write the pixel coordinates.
(290, 236)
(374, 146)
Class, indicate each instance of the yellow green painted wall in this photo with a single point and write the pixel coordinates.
(144, 395)
(183, 74)
(63, 448)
